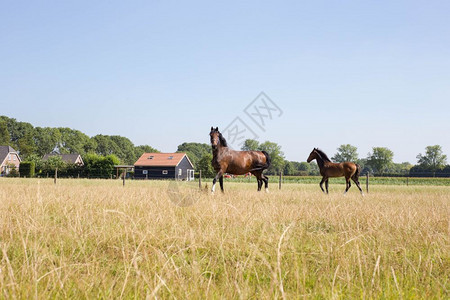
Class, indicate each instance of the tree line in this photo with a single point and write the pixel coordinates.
(101, 152)
(32, 142)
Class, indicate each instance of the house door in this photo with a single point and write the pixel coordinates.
(190, 175)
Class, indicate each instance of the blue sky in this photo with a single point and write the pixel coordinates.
(368, 73)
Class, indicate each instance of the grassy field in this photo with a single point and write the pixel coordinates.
(98, 239)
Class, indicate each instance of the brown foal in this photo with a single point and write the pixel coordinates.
(330, 169)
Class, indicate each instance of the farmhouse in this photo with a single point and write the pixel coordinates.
(68, 158)
(164, 166)
(9, 160)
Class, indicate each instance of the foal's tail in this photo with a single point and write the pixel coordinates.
(357, 173)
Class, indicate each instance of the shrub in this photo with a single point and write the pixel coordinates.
(27, 169)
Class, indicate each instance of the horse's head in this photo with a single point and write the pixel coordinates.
(312, 155)
(214, 136)
(217, 138)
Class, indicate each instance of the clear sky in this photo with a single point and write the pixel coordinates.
(368, 73)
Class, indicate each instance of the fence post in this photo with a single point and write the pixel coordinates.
(407, 181)
(279, 182)
(124, 175)
(367, 182)
(200, 179)
(56, 175)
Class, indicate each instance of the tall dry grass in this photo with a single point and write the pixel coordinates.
(97, 239)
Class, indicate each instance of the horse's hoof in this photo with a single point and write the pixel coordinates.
(267, 190)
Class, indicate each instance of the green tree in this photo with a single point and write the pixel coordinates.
(345, 153)
(120, 146)
(402, 168)
(433, 159)
(276, 156)
(205, 165)
(380, 159)
(5, 138)
(250, 145)
(17, 130)
(126, 151)
(98, 166)
(37, 160)
(195, 151)
(301, 168)
(46, 139)
(139, 150)
(105, 145)
(74, 141)
(27, 169)
(49, 166)
(26, 144)
(289, 168)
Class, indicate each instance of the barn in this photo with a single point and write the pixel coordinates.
(164, 166)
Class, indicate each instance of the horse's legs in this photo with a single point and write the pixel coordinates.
(266, 182)
(259, 178)
(321, 183)
(221, 183)
(326, 185)
(218, 175)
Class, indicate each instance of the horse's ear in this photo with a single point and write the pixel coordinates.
(217, 128)
(212, 128)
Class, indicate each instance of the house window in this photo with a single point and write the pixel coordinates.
(14, 158)
(165, 172)
(180, 171)
(9, 156)
(170, 157)
(150, 157)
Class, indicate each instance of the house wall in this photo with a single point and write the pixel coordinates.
(12, 159)
(79, 161)
(184, 166)
(154, 172)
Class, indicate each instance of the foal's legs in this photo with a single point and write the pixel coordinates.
(326, 185)
(320, 184)
(356, 181)
(218, 176)
(347, 185)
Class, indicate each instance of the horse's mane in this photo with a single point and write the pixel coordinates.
(222, 140)
(323, 155)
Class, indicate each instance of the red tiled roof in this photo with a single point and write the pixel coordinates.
(160, 159)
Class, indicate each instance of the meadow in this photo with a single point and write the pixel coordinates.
(89, 239)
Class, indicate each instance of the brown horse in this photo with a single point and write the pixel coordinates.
(330, 169)
(226, 160)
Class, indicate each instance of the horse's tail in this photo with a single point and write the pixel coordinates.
(268, 160)
(264, 166)
(357, 173)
